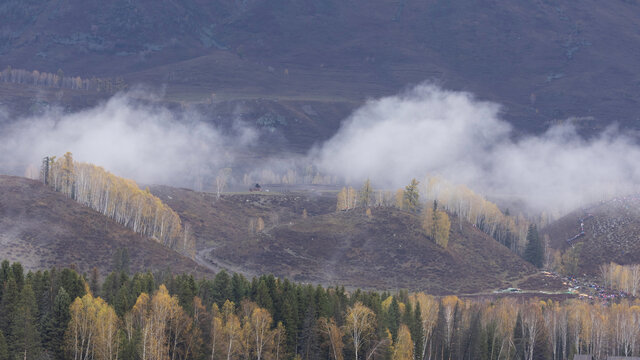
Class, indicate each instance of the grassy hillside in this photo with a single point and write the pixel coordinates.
(388, 250)
(611, 230)
(42, 228)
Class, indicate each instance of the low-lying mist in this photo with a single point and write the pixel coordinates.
(427, 130)
(150, 144)
(423, 131)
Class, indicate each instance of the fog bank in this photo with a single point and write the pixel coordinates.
(147, 143)
(428, 130)
(423, 131)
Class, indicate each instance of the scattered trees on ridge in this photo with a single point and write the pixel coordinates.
(115, 197)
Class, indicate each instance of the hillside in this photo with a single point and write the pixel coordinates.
(42, 228)
(611, 233)
(388, 250)
(314, 62)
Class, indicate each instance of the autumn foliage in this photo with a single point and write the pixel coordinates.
(117, 198)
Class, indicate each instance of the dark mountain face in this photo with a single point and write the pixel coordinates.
(544, 61)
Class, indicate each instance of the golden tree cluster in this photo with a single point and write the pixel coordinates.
(437, 225)
(93, 329)
(347, 199)
(248, 335)
(621, 277)
(117, 198)
(466, 204)
(59, 80)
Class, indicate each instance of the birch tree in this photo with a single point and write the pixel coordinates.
(359, 325)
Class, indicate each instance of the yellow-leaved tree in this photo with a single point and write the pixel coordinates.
(403, 348)
(162, 324)
(93, 329)
(334, 335)
(437, 225)
(360, 321)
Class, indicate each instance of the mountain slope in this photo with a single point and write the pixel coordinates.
(611, 233)
(544, 61)
(388, 250)
(42, 228)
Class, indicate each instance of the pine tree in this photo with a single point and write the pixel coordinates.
(534, 252)
(94, 283)
(263, 298)
(477, 347)
(411, 196)
(457, 334)
(519, 339)
(4, 350)
(221, 288)
(8, 304)
(439, 346)
(239, 287)
(416, 331)
(59, 320)
(394, 318)
(18, 275)
(25, 338)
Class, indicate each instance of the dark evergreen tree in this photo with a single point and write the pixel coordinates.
(130, 347)
(534, 252)
(4, 349)
(59, 321)
(407, 316)
(72, 282)
(221, 288)
(290, 317)
(186, 291)
(24, 337)
(322, 300)
(121, 260)
(458, 341)
(439, 346)
(8, 304)
(18, 275)
(263, 296)
(5, 272)
(43, 290)
(394, 318)
(123, 301)
(94, 282)
(476, 345)
(519, 339)
(239, 287)
(416, 332)
(310, 336)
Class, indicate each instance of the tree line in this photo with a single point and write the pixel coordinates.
(59, 80)
(60, 314)
(117, 198)
(621, 277)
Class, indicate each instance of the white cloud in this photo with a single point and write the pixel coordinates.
(428, 130)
